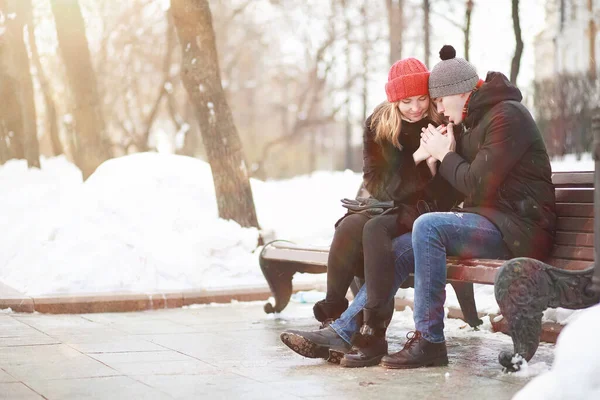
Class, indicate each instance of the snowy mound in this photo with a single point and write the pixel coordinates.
(148, 222)
(576, 370)
(143, 222)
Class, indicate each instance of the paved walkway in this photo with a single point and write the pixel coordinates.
(223, 352)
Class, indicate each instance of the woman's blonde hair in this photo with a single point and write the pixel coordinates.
(387, 122)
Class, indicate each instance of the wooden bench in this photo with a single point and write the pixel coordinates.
(564, 277)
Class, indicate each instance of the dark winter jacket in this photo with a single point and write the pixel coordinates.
(391, 174)
(502, 167)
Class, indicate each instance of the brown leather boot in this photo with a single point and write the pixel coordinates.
(417, 352)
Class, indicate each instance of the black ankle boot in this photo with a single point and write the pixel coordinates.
(368, 346)
(326, 311)
(417, 352)
(315, 344)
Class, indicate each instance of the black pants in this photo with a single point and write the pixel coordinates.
(361, 245)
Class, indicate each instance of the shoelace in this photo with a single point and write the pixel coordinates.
(413, 337)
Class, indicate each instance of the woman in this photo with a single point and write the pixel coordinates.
(393, 169)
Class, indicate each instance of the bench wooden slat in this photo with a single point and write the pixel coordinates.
(571, 265)
(575, 239)
(481, 274)
(574, 195)
(575, 224)
(573, 253)
(574, 210)
(313, 256)
(573, 179)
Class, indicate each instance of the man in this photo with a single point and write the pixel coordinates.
(501, 166)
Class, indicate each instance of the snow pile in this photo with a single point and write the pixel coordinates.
(304, 209)
(569, 162)
(148, 222)
(575, 373)
(484, 298)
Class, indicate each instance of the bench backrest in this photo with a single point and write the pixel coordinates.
(574, 247)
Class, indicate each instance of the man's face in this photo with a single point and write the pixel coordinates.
(452, 106)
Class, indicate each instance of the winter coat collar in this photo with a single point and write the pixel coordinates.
(496, 89)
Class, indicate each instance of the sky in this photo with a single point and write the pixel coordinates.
(492, 36)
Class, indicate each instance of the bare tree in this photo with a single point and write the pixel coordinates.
(366, 54)
(91, 145)
(516, 61)
(426, 30)
(592, 34)
(11, 124)
(19, 12)
(395, 10)
(465, 27)
(468, 12)
(201, 77)
(348, 116)
(309, 111)
(51, 116)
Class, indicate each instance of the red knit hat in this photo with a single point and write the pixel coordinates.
(408, 77)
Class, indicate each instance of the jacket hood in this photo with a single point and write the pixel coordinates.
(497, 88)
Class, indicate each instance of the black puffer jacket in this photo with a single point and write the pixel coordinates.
(502, 167)
(391, 174)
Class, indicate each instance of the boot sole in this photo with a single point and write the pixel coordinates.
(304, 347)
(335, 356)
(361, 363)
(434, 363)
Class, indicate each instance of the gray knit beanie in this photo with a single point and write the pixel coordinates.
(451, 75)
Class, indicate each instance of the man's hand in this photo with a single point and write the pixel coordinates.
(437, 143)
(422, 154)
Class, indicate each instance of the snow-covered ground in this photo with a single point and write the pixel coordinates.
(575, 373)
(148, 222)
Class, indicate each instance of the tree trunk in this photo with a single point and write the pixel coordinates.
(11, 129)
(18, 57)
(468, 13)
(426, 31)
(366, 54)
(92, 147)
(516, 61)
(4, 149)
(312, 152)
(348, 115)
(202, 80)
(592, 41)
(396, 28)
(51, 117)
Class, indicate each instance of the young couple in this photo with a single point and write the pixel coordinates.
(490, 156)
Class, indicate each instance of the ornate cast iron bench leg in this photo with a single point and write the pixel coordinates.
(279, 277)
(524, 289)
(466, 299)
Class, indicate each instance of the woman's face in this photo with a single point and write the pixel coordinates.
(414, 108)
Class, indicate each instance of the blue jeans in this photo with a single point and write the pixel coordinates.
(423, 252)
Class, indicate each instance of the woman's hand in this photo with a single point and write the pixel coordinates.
(420, 155)
(432, 165)
(436, 142)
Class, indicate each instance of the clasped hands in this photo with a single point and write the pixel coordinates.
(435, 144)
